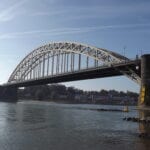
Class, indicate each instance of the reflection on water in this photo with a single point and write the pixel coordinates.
(144, 127)
(44, 125)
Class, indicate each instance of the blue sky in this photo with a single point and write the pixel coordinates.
(111, 24)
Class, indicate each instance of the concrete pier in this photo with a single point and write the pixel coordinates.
(8, 94)
(144, 99)
(145, 81)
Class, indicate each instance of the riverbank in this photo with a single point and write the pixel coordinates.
(78, 102)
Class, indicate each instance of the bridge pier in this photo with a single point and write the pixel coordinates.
(8, 94)
(144, 99)
(145, 81)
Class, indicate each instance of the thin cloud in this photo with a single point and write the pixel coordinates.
(10, 12)
(67, 31)
(53, 13)
(98, 11)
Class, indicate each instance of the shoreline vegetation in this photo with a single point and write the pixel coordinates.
(61, 94)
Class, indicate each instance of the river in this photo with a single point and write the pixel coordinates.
(31, 125)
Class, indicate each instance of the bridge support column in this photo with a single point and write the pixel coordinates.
(144, 99)
(145, 81)
(8, 94)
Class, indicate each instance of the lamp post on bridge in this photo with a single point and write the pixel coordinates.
(124, 52)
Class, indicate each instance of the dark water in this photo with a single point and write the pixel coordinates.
(51, 126)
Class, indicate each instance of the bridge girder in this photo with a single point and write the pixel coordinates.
(31, 64)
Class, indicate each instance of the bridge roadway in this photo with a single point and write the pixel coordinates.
(90, 73)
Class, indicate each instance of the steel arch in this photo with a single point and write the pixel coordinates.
(43, 53)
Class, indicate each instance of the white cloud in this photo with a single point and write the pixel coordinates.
(53, 13)
(99, 11)
(64, 31)
(10, 12)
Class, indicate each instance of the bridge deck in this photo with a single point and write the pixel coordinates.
(98, 72)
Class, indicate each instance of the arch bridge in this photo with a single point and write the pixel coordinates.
(70, 61)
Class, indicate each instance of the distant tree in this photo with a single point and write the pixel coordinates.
(132, 94)
(56, 91)
(113, 93)
(104, 92)
(71, 92)
(39, 95)
(58, 88)
(53, 95)
(122, 93)
(78, 91)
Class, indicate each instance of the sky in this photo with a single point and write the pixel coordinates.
(117, 25)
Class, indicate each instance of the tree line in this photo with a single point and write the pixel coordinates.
(59, 92)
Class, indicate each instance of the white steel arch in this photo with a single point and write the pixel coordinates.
(31, 64)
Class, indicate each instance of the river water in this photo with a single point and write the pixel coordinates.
(31, 125)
